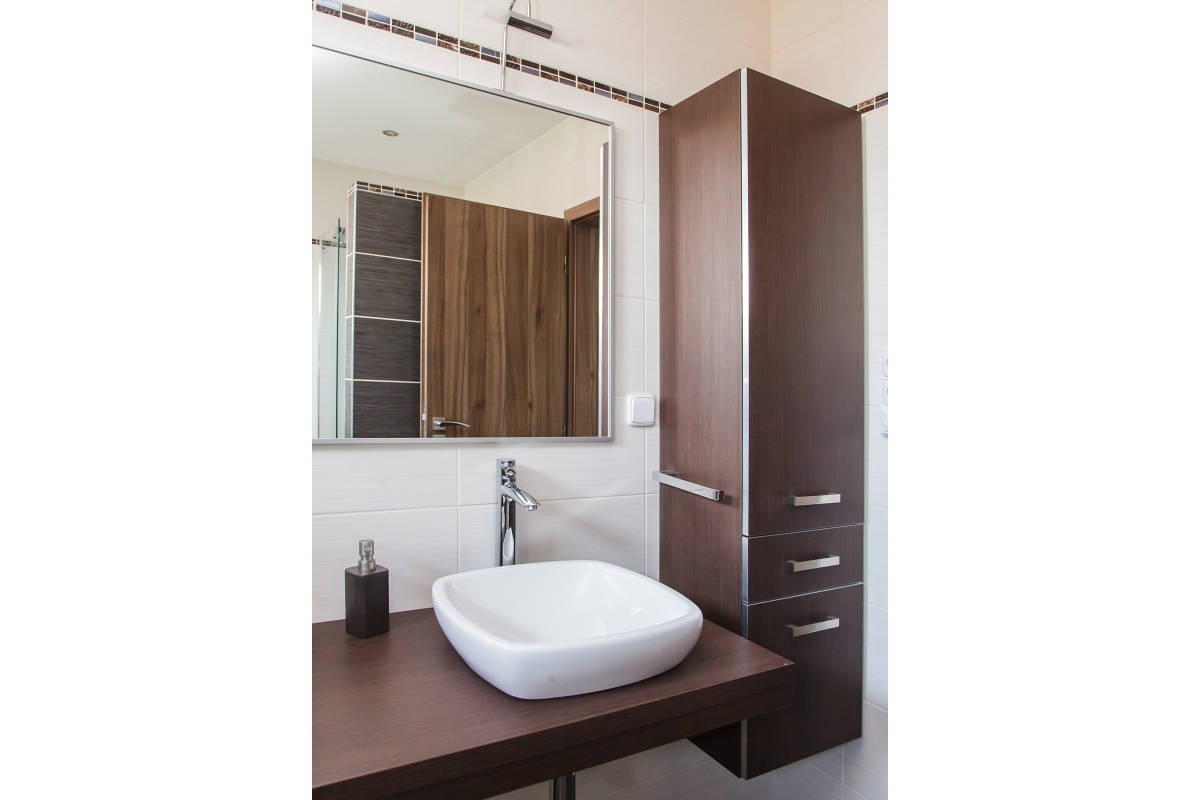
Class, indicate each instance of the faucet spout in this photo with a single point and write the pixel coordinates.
(514, 492)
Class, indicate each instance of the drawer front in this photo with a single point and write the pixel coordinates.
(828, 690)
(788, 564)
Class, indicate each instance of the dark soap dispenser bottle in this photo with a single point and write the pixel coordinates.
(366, 594)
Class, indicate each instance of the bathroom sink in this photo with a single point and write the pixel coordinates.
(560, 628)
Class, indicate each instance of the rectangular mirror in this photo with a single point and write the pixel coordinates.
(462, 249)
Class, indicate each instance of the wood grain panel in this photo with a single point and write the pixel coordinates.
(385, 410)
(386, 350)
(387, 287)
(401, 715)
(701, 344)
(804, 156)
(771, 576)
(386, 225)
(583, 348)
(493, 350)
(827, 710)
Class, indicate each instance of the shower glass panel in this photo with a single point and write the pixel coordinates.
(329, 402)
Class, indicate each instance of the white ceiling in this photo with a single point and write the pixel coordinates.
(448, 133)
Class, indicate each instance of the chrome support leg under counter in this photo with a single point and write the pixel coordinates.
(563, 787)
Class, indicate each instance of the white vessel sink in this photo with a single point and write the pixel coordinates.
(560, 628)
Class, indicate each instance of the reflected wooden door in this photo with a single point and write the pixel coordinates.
(494, 320)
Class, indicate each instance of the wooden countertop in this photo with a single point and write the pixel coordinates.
(401, 713)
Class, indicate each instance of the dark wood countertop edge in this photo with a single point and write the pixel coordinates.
(474, 775)
(555, 749)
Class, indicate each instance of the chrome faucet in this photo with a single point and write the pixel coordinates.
(508, 496)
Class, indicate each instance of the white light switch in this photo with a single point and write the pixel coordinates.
(641, 411)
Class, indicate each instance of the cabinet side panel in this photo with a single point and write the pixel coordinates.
(804, 156)
(701, 363)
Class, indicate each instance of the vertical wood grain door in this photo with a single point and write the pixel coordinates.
(494, 320)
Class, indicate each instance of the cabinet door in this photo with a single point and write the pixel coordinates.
(788, 564)
(805, 322)
(828, 707)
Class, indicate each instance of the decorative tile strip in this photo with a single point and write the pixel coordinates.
(408, 30)
(381, 22)
(390, 191)
(879, 101)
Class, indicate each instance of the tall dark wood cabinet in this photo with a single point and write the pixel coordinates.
(762, 387)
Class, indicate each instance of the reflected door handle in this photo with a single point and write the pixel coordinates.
(440, 423)
(667, 477)
(816, 563)
(823, 625)
(813, 499)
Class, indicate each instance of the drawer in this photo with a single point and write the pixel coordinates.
(829, 676)
(814, 553)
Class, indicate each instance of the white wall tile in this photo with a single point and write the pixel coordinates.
(601, 41)
(877, 555)
(793, 20)
(630, 278)
(417, 547)
(683, 56)
(384, 46)
(378, 477)
(652, 539)
(746, 21)
(814, 63)
(558, 471)
(652, 242)
(653, 364)
(865, 51)
(478, 538)
(866, 758)
(611, 529)
(875, 667)
(441, 17)
(629, 346)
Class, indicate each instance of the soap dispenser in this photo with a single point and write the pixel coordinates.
(366, 594)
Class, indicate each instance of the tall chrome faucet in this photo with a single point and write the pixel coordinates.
(508, 496)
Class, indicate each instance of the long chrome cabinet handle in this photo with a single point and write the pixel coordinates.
(663, 476)
(816, 563)
(824, 625)
(813, 499)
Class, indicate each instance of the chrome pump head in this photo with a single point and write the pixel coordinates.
(529, 24)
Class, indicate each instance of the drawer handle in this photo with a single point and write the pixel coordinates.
(824, 625)
(813, 499)
(816, 563)
(670, 479)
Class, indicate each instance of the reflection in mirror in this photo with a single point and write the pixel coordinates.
(461, 248)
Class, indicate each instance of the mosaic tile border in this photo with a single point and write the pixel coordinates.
(408, 30)
(879, 101)
(390, 191)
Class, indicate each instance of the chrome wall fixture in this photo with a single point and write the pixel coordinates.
(524, 22)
